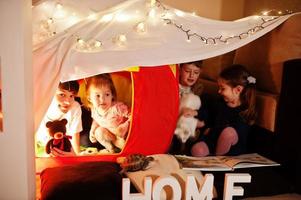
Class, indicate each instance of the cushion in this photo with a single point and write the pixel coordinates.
(91, 180)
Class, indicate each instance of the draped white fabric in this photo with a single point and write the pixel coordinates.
(110, 41)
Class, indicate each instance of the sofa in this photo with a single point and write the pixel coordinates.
(275, 60)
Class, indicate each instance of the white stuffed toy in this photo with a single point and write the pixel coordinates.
(186, 126)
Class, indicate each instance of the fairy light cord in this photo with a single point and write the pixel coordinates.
(165, 14)
(221, 39)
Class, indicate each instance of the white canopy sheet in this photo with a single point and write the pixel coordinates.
(133, 33)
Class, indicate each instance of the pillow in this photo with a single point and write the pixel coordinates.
(91, 180)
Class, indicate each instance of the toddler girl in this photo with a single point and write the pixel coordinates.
(236, 113)
(111, 119)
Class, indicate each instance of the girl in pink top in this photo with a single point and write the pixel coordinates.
(111, 119)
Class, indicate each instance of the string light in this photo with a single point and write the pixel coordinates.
(153, 3)
(219, 39)
(120, 39)
(179, 13)
(88, 46)
(92, 16)
(152, 13)
(60, 12)
(140, 27)
(156, 11)
(59, 6)
(107, 18)
(274, 12)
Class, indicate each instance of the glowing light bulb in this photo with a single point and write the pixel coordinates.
(45, 6)
(120, 39)
(188, 40)
(122, 17)
(107, 18)
(265, 13)
(97, 44)
(153, 3)
(80, 41)
(44, 24)
(152, 13)
(81, 44)
(73, 19)
(60, 13)
(141, 28)
(92, 16)
(179, 13)
(50, 21)
(59, 6)
(280, 12)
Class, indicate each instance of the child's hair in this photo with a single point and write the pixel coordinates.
(71, 86)
(198, 87)
(238, 75)
(99, 81)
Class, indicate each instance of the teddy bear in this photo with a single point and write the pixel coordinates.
(186, 126)
(59, 139)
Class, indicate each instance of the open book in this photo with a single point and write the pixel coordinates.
(224, 163)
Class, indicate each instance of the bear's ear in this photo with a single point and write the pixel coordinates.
(64, 121)
(48, 124)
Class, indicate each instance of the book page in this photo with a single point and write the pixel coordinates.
(209, 163)
(224, 163)
(248, 160)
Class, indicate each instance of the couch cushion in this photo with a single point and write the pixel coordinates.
(266, 106)
(92, 180)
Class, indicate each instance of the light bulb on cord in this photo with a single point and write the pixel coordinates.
(92, 16)
(50, 20)
(107, 18)
(140, 27)
(153, 3)
(120, 39)
(265, 13)
(152, 13)
(97, 44)
(59, 6)
(80, 41)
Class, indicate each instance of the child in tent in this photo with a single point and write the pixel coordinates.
(235, 114)
(189, 83)
(63, 106)
(111, 119)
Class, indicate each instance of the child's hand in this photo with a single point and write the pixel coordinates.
(55, 152)
(188, 112)
(200, 124)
